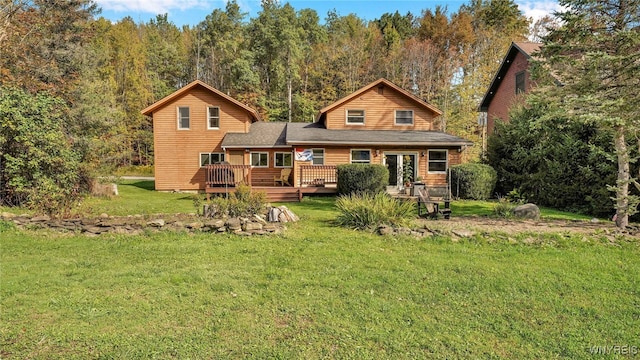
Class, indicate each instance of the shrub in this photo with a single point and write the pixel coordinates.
(39, 167)
(504, 207)
(473, 181)
(242, 202)
(369, 211)
(358, 178)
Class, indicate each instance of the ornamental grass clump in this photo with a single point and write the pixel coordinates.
(365, 211)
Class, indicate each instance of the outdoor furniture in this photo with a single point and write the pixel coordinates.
(283, 178)
(431, 202)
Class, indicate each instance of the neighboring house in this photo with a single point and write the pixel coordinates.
(378, 124)
(511, 80)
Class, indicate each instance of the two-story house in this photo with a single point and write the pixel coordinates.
(198, 126)
(510, 81)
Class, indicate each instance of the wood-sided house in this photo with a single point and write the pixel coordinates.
(205, 140)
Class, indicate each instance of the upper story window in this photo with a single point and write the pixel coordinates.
(404, 117)
(183, 118)
(318, 156)
(260, 159)
(355, 117)
(520, 82)
(282, 159)
(437, 161)
(211, 158)
(360, 156)
(213, 115)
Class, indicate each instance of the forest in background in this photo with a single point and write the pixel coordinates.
(287, 63)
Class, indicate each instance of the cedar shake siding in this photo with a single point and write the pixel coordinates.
(502, 94)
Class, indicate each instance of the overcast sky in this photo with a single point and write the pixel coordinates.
(191, 12)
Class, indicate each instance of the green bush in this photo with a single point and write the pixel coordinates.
(39, 166)
(358, 178)
(242, 202)
(503, 208)
(369, 211)
(473, 181)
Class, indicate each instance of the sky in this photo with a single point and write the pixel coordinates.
(192, 12)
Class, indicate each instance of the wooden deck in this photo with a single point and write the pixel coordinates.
(223, 178)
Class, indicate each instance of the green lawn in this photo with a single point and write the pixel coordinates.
(315, 292)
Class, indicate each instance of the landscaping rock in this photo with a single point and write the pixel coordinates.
(251, 226)
(215, 223)
(385, 230)
(234, 224)
(156, 223)
(463, 233)
(527, 211)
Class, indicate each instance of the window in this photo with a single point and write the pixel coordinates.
(437, 161)
(213, 114)
(355, 117)
(282, 159)
(520, 85)
(404, 117)
(259, 159)
(183, 118)
(360, 156)
(318, 156)
(211, 158)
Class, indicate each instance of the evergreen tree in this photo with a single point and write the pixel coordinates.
(595, 55)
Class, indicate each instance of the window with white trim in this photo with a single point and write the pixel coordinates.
(183, 118)
(260, 159)
(404, 117)
(282, 160)
(213, 115)
(355, 117)
(360, 156)
(211, 158)
(437, 161)
(318, 156)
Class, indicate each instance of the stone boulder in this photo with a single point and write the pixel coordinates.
(527, 211)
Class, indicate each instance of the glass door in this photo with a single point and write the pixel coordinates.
(401, 166)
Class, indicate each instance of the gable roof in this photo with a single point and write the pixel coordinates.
(316, 134)
(261, 134)
(526, 49)
(379, 82)
(185, 89)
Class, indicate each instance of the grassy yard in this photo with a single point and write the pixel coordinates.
(315, 292)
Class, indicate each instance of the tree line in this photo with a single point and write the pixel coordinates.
(284, 62)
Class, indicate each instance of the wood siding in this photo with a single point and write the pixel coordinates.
(342, 155)
(177, 152)
(505, 96)
(380, 104)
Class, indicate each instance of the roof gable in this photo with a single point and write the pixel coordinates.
(526, 49)
(186, 89)
(376, 83)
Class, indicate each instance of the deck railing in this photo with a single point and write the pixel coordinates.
(318, 175)
(227, 175)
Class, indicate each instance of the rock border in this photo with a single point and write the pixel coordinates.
(138, 224)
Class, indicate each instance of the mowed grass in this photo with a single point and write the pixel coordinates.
(138, 197)
(317, 291)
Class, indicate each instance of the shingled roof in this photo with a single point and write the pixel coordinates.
(261, 134)
(316, 134)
